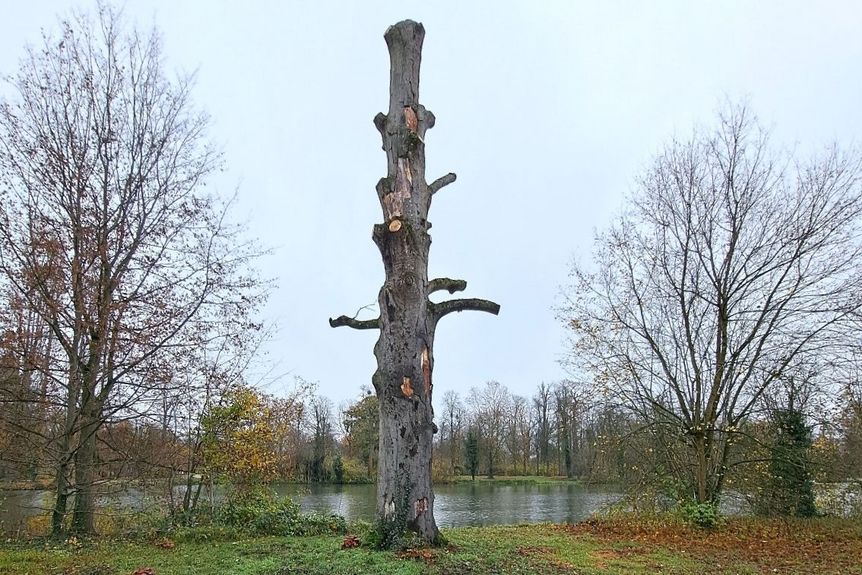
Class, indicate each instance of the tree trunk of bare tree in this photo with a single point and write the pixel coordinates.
(58, 513)
(84, 515)
(408, 319)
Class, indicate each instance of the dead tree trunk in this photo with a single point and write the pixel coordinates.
(408, 319)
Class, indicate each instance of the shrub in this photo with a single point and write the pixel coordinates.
(703, 515)
(338, 468)
(255, 511)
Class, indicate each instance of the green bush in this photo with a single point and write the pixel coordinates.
(252, 512)
(320, 524)
(261, 513)
(354, 471)
(704, 515)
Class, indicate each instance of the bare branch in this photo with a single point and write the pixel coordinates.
(459, 305)
(441, 182)
(343, 320)
(448, 284)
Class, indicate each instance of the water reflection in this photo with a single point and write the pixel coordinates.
(457, 505)
(470, 504)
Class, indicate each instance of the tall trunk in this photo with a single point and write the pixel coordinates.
(73, 390)
(194, 503)
(490, 461)
(405, 346)
(452, 451)
(701, 470)
(58, 514)
(408, 319)
(84, 515)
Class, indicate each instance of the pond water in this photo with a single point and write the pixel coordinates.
(456, 505)
(480, 503)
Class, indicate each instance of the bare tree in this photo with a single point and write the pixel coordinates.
(565, 418)
(408, 318)
(453, 427)
(361, 422)
(320, 423)
(491, 406)
(28, 405)
(730, 265)
(105, 228)
(542, 409)
(520, 433)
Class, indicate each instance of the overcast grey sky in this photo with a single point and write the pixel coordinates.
(547, 111)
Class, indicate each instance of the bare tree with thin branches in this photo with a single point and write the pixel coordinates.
(730, 266)
(106, 230)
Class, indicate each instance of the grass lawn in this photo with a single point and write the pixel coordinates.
(637, 546)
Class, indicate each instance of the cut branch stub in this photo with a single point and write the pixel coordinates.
(441, 182)
(448, 284)
(380, 123)
(410, 119)
(406, 387)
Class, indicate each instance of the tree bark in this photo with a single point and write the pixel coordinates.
(58, 513)
(66, 453)
(407, 322)
(84, 514)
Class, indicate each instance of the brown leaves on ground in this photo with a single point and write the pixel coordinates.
(770, 545)
(165, 543)
(601, 557)
(422, 554)
(144, 571)
(350, 542)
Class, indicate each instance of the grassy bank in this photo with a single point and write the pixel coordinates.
(508, 480)
(630, 546)
(27, 485)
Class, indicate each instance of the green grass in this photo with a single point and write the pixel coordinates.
(611, 546)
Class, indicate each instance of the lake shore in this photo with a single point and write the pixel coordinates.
(48, 484)
(631, 545)
(27, 485)
(508, 480)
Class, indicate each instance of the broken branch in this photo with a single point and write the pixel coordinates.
(343, 320)
(380, 123)
(472, 304)
(441, 182)
(447, 284)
